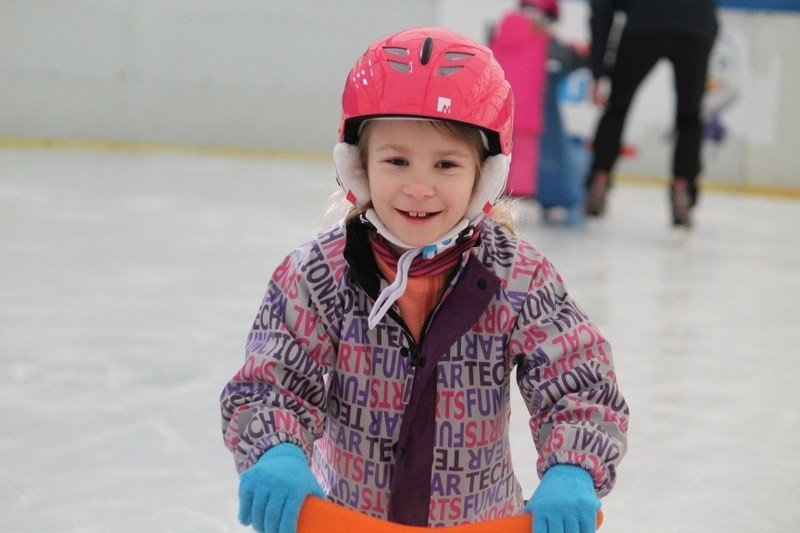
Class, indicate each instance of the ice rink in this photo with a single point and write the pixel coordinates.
(129, 282)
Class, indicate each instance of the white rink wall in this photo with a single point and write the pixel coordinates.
(242, 73)
(267, 75)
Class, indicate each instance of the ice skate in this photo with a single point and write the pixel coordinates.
(596, 197)
(681, 204)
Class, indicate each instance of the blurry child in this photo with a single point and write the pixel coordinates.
(520, 43)
(565, 157)
(378, 369)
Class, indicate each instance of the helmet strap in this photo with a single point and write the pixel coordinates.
(393, 292)
(460, 232)
(429, 251)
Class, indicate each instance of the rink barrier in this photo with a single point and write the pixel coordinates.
(760, 5)
(97, 145)
(323, 516)
(319, 157)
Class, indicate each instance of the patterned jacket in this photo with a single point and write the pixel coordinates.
(417, 433)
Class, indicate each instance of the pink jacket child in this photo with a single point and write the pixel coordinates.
(519, 43)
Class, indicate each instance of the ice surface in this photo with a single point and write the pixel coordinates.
(128, 282)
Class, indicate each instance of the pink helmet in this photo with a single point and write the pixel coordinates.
(548, 7)
(429, 73)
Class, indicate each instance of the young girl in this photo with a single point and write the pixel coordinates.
(378, 368)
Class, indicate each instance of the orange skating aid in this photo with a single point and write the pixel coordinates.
(323, 516)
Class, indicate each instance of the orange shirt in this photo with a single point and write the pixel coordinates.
(421, 296)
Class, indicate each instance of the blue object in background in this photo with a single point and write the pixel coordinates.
(761, 5)
(563, 160)
(574, 86)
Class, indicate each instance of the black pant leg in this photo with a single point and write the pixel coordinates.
(689, 57)
(636, 56)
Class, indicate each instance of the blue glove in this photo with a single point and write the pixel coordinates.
(272, 491)
(564, 501)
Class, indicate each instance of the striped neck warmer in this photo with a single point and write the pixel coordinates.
(413, 264)
(420, 267)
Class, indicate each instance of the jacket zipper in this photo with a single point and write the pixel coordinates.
(415, 351)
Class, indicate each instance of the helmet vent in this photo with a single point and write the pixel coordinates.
(399, 52)
(454, 57)
(405, 68)
(457, 56)
(446, 71)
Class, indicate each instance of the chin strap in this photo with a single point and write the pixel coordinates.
(393, 292)
(388, 296)
(453, 237)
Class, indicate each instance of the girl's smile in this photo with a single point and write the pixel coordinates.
(417, 216)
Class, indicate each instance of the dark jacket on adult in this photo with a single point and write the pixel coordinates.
(680, 17)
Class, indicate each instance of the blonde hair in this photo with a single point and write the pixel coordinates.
(503, 212)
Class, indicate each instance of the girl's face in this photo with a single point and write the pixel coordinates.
(421, 178)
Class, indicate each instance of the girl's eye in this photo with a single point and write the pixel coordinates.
(447, 165)
(397, 161)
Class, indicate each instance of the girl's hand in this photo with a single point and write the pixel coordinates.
(272, 491)
(564, 501)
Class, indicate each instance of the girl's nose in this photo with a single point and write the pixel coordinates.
(418, 186)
